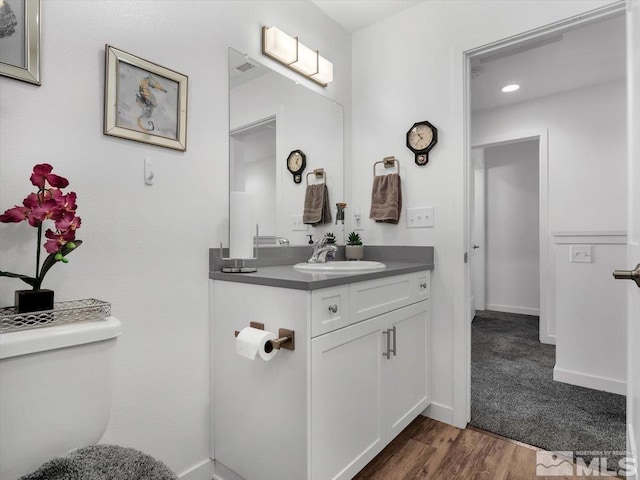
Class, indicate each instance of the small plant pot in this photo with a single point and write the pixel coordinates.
(33, 300)
(354, 252)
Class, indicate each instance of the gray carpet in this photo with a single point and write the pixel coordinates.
(513, 393)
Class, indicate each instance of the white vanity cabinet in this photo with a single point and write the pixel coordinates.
(359, 374)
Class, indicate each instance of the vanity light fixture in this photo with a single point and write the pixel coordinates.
(510, 88)
(293, 54)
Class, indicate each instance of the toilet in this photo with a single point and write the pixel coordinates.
(56, 385)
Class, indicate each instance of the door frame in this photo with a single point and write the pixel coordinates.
(461, 75)
(547, 299)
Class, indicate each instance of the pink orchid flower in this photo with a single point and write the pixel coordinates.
(57, 240)
(66, 203)
(42, 175)
(68, 221)
(14, 215)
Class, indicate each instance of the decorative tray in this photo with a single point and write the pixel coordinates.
(62, 313)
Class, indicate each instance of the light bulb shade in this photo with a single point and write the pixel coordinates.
(325, 71)
(279, 45)
(298, 57)
(307, 62)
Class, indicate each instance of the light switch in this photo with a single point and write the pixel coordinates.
(420, 217)
(297, 225)
(581, 253)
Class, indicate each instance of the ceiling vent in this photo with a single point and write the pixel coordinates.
(245, 66)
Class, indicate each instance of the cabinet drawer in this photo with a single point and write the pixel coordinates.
(329, 309)
(375, 297)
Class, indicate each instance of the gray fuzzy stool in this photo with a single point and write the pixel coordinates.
(103, 462)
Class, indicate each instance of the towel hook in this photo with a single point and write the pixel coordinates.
(319, 173)
(389, 162)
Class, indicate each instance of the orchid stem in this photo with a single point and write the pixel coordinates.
(37, 286)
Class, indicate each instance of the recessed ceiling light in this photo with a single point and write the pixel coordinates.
(510, 88)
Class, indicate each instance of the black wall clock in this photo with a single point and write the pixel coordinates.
(421, 138)
(296, 163)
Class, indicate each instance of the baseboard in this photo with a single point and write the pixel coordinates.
(590, 381)
(512, 309)
(632, 449)
(548, 339)
(222, 472)
(442, 413)
(202, 471)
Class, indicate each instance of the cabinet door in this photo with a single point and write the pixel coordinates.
(347, 416)
(407, 376)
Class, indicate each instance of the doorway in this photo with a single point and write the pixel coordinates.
(506, 225)
(570, 236)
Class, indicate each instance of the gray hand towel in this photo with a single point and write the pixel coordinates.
(386, 199)
(103, 462)
(316, 205)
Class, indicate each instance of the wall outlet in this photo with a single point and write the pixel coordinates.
(420, 217)
(581, 253)
(297, 225)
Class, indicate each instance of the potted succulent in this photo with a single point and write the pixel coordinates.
(354, 249)
(331, 238)
(48, 204)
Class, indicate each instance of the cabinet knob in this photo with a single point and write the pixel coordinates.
(333, 308)
(423, 285)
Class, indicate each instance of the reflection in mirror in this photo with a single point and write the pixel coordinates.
(269, 117)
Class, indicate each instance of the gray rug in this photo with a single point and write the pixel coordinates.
(513, 393)
(103, 462)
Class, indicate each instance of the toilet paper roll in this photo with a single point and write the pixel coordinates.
(251, 341)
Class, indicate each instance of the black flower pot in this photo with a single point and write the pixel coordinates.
(33, 300)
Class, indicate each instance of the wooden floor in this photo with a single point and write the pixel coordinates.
(428, 449)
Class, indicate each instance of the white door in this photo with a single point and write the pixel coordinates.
(479, 238)
(347, 416)
(407, 381)
(633, 234)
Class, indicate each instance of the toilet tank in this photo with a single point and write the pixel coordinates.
(56, 385)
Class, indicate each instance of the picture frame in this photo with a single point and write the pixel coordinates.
(20, 40)
(144, 101)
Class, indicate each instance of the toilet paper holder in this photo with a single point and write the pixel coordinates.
(286, 338)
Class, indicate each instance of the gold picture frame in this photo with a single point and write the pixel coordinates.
(144, 101)
(20, 40)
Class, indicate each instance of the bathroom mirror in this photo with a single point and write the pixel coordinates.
(270, 115)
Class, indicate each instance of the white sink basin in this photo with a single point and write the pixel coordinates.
(340, 267)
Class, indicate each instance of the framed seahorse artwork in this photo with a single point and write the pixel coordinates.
(20, 40)
(144, 101)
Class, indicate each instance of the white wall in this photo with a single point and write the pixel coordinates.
(402, 73)
(146, 248)
(512, 227)
(587, 152)
(591, 349)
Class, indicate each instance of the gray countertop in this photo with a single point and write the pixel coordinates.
(279, 271)
(286, 276)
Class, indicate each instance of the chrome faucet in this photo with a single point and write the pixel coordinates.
(322, 251)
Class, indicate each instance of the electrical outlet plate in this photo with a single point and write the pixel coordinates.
(420, 217)
(581, 254)
(297, 225)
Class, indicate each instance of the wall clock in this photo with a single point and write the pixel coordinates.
(296, 163)
(421, 138)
